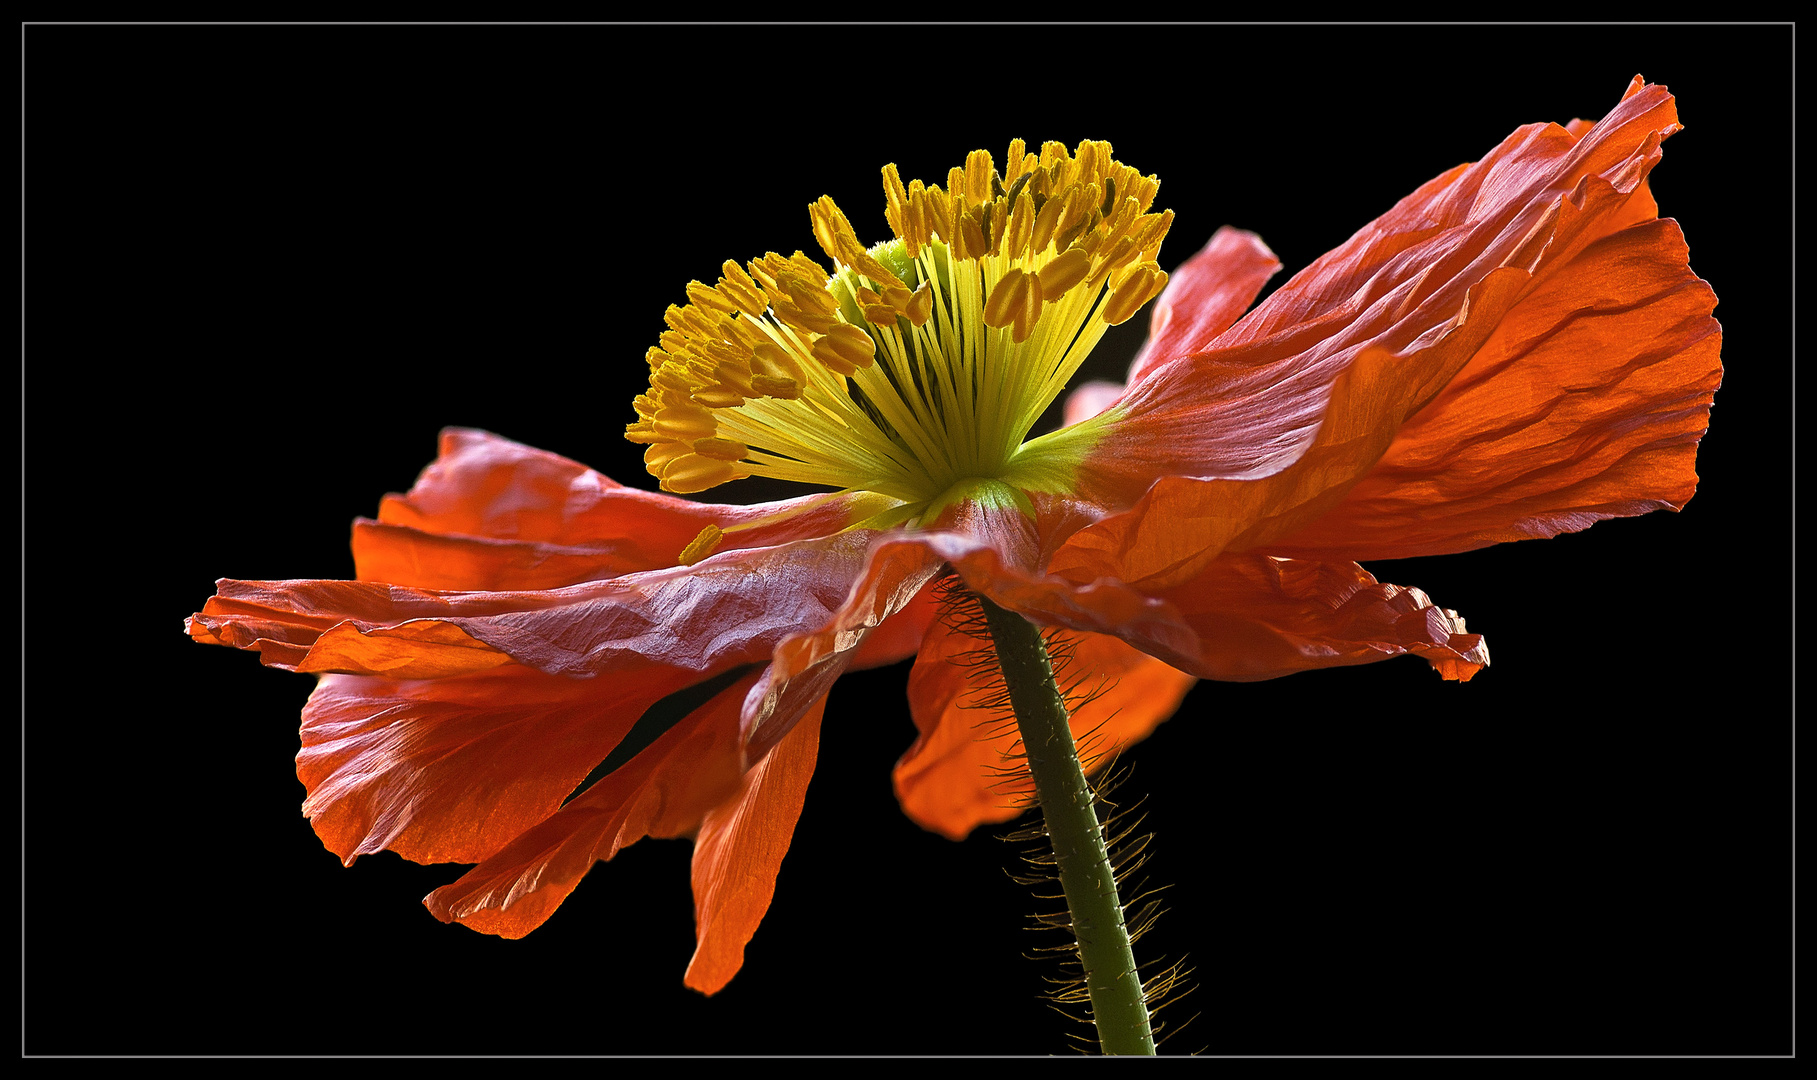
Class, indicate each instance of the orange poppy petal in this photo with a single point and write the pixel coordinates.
(1319, 378)
(353, 627)
(1259, 617)
(739, 851)
(807, 664)
(728, 610)
(484, 486)
(404, 555)
(1497, 211)
(664, 791)
(450, 770)
(1587, 403)
(1208, 293)
(1243, 617)
(899, 636)
(960, 773)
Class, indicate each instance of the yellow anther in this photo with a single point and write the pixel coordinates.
(1141, 284)
(975, 243)
(657, 456)
(845, 349)
(1111, 259)
(1030, 310)
(1081, 228)
(1047, 222)
(723, 449)
(1094, 159)
(772, 361)
(1142, 188)
(691, 472)
(771, 386)
(1119, 219)
(917, 220)
(852, 253)
(745, 332)
(807, 268)
(709, 298)
(695, 322)
(939, 214)
(795, 319)
(1154, 230)
(718, 352)
(720, 397)
(809, 294)
(735, 374)
(829, 224)
(737, 285)
(1016, 188)
(1008, 299)
(978, 173)
(1059, 276)
(896, 202)
(897, 296)
(686, 422)
(920, 305)
(703, 545)
(1021, 227)
(830, 359)
(673, 377)
(996, 215)
(854, 342)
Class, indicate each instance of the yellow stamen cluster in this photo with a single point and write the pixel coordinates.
(919, 363)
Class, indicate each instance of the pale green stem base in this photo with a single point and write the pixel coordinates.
(1117, 1004)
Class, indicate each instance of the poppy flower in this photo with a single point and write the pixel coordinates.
(539, 666)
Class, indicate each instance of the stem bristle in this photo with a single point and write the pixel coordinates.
(1128, 847)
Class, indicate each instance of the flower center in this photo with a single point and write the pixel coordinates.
(916, 368)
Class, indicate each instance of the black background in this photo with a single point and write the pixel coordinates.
(265, 265)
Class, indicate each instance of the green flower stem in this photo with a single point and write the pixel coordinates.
(1117, 1004)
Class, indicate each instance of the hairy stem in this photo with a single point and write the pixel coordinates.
(1117, 1004)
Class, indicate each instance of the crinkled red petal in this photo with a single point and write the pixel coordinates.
(900, 634)
(1266, 431)
(1208, 293)
(1260, 617)
(403, 555)
(553, 518)
(728, 610)
(893, 575)
(664, 791)
(739, 851)
(1586, 403)
(1243, 617)
(451, 770)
